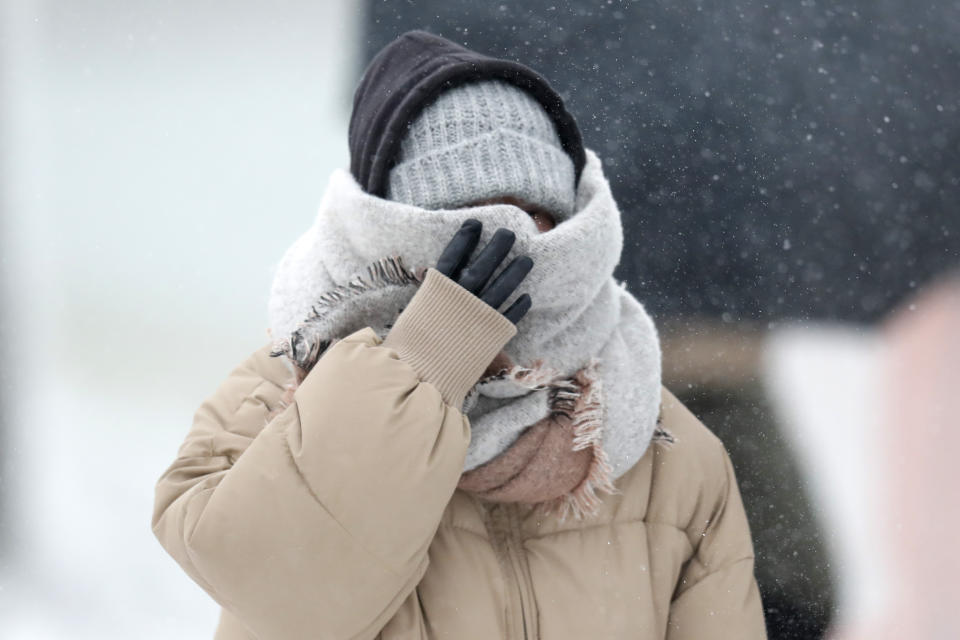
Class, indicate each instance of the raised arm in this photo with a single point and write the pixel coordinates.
(317, 523)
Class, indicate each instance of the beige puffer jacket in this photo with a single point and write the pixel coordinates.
(340, 518)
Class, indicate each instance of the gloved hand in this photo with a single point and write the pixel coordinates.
(454, 258)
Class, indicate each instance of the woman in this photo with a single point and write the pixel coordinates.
(468, 446)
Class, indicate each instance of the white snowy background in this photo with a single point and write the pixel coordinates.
(156, 159)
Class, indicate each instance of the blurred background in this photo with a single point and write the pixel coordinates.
(789, 178)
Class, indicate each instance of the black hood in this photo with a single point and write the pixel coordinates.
(413, 70)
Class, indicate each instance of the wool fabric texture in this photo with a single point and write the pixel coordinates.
(333, 280)
(479, 141)
(407, 75)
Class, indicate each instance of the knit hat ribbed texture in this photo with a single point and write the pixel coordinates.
(480, 141)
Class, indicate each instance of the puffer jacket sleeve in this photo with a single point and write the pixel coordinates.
(316, 523)
(717, 594)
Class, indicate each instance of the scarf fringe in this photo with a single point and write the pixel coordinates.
(580, 399)
(385, 272)
(535, 377)
(305, 345)
(583, 501)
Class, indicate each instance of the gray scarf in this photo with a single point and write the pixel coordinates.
(349, 270)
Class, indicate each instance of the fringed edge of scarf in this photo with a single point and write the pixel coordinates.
(583, 501)
(587, 416)
(304, 345)
(580, 399)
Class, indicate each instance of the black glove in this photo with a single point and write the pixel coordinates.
(455, 255)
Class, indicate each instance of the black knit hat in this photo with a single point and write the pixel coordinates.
(408, 74)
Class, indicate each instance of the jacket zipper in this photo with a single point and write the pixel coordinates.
(508, 545)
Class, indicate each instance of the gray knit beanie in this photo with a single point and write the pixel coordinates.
(479, 141)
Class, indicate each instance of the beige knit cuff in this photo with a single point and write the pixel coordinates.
(449, 336)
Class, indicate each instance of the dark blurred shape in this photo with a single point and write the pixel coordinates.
(772, 160)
